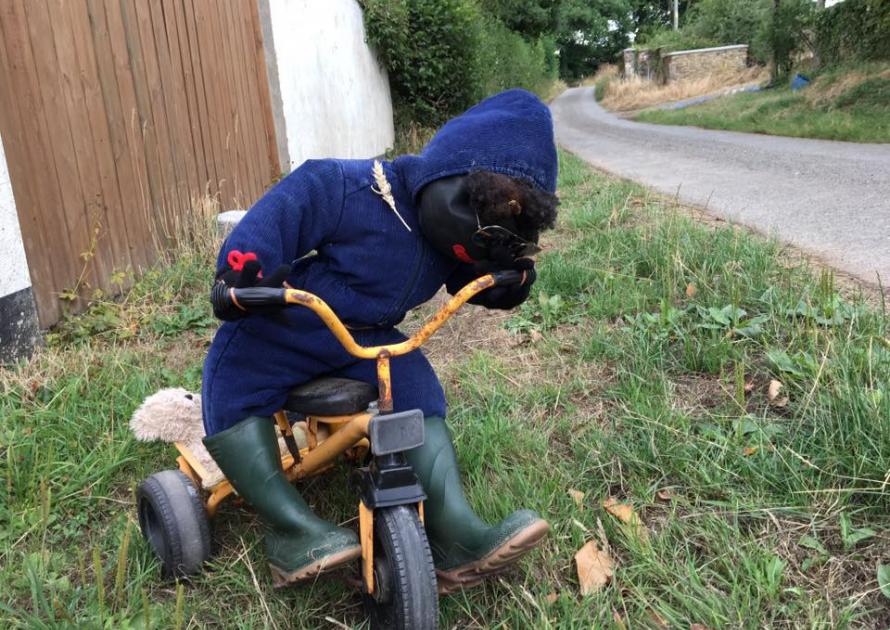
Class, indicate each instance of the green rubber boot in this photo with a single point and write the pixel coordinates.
(465, 548)
(299, 545)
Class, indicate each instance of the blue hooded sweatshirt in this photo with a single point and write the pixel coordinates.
(349, 247)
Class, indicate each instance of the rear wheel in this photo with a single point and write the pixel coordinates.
(174, 522)
(405, 596)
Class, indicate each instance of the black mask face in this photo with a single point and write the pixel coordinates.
(452, 226)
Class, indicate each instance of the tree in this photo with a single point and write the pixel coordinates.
(651, 16)
(785, 32)
(590, 33)
(531, 18)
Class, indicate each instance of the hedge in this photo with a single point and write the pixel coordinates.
(444, 55)
(854, 30)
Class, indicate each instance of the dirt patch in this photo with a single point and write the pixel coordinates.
(181, 354)
(837, 575)
(696, 394)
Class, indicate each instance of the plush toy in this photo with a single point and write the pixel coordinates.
(174, 415)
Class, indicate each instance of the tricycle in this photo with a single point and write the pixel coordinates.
(321, 421)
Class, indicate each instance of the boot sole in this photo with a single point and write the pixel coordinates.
(281, 578)
(494, 562)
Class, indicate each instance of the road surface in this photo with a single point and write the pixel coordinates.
(831, 199)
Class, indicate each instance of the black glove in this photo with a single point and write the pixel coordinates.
(511, 296)
(247, 277)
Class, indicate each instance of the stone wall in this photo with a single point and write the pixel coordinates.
(697, 64)
(644, 63)
(684, 64)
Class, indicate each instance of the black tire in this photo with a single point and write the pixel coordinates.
(405, 596)
(174, 522)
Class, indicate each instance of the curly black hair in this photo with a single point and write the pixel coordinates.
(501, 199)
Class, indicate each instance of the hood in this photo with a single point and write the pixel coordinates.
(509, 133)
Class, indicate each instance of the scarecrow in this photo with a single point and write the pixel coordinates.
(374, 240)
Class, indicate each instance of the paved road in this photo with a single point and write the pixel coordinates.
(829, 198)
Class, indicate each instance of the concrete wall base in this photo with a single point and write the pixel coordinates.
(19, 329)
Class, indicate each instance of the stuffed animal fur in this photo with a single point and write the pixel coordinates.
(169, 415)
(174, 415)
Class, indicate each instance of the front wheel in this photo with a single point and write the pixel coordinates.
(405, 596)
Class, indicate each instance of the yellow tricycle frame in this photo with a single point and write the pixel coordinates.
(343, 434)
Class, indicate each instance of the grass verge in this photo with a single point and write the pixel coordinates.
(850, 103)
(639, 369)
(634, 93)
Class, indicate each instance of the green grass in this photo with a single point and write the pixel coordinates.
(616, 379)
(830, 108)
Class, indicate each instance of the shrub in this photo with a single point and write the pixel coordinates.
(444, 55)
(737, 22)
(669, 40)
(429, 48)
(505, 59)
(601, 87)
(854, 30)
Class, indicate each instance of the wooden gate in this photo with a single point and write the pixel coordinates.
(117, 113)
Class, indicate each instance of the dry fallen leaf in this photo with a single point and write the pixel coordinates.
(698, 626)
(535, 336)
(577, 496)
(665, 494)
(773, 394)
(749, 387)
(660, 622)
(594, 568)
(749, 450)
(624, 512)
(691, 290)
(552, 597)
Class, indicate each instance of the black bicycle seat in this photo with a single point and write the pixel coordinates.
(330, 396)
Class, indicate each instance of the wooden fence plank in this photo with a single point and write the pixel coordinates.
(242, 139)
(177, 10)
(251, 116)
(98, 251)
(236, 115)
(26, 149)
(259, 57)
(50, 77)
(115, 231)
(169, 166)
(118, 107)
(224, 103)
(211, 73)
(142, 122)
(214, 174)
(244, 29)
(175, 108)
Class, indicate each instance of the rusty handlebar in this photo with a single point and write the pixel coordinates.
(224, 297)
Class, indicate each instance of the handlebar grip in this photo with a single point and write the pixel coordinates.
(223, 297)
(508, 278)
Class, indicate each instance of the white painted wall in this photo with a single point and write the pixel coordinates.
(334, 94)
(14, 270)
